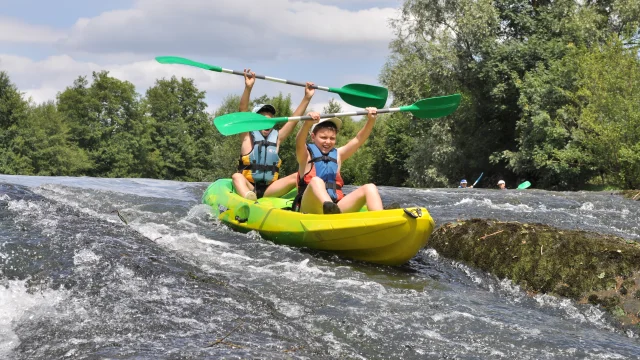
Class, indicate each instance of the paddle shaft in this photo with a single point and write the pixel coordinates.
(274, 79)
(349, 113)
(479, 177)
(358, 95)
(239, 122)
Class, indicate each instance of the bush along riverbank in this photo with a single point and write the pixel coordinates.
(602, 270)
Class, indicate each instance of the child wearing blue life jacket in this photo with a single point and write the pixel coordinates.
(463, 184)
(319, 180)
(259, 166)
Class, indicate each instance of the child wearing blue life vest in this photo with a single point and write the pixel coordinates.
(259, 166)
(463, 184)
(319, 180)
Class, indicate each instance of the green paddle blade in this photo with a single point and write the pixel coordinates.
(434, 107)
(239, 122)
(524, 185)
(363, 95)
(183, 61)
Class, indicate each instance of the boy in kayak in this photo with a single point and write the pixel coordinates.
(319, 180)
(502, 185)
(463, 184)
(259, 165)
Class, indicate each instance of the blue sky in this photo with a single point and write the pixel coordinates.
(45, 45)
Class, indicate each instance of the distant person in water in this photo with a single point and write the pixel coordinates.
(259, 165)
(463, 184)
(502, 185)
(319, 162)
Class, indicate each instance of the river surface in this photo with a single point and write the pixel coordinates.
(77, 282)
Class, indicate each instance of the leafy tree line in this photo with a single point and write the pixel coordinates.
(550, 93)
(106, 129)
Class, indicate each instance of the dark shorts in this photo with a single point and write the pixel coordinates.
(259, 189)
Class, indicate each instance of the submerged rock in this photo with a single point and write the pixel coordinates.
(585, 266)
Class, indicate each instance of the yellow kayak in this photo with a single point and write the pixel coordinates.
(388, 237)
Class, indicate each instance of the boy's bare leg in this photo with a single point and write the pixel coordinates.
(281, 186)
(365, 194)
(313, 198)
(242, 186)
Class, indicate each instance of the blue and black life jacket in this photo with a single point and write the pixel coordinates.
(325, 166)
(262, 164)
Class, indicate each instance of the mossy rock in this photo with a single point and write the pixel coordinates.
(585, 266)
(631, 194)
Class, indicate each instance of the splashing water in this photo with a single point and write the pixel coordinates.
(173, 282)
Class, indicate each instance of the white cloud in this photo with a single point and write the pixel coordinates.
(43, 79)
(40, 95)
(16, 31)
(367, 3)
(285, 38)
(241, 28)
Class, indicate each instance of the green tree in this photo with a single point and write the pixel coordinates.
(609, 124)
(485, 50)
(106, 120)
(35, 138)
(13, 112)
(581, 119)
(390, 148)
(546, 141)
(183, 136)
(44, 138)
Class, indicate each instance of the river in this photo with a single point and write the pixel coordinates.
(77, 282)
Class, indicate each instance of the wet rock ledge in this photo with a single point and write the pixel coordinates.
(631, 194)
(587, 267)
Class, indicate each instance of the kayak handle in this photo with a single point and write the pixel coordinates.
(414, 213)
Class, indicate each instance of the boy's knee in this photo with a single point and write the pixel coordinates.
(316, 181)
(370, 188)
(237, 176)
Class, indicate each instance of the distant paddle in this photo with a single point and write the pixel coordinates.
(359, 95)
(524, 185)
(478, 179)
(240, 122)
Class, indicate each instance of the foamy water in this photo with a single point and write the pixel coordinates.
(175, 283)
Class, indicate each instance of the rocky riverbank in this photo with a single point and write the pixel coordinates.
(602, 270)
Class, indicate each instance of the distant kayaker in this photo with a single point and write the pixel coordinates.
(319, 180)
(463, 184)
(502, 185)
(259, 165)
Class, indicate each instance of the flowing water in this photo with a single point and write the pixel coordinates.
(77, 282)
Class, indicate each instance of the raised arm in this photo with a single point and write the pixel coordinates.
(287, 128)
(249, 80)
(301, 142)
(354, 144)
